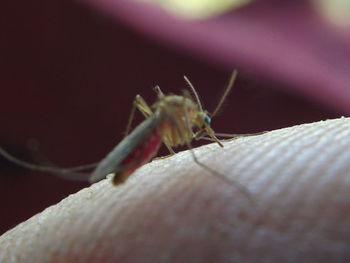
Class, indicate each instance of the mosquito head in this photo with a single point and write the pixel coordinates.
(203, 123)
(207, 119)
(203, 120)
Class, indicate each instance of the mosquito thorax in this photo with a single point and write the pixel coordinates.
(176, 105)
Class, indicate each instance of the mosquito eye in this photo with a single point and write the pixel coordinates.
(207, 119)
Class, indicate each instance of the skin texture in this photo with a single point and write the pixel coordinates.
(172, 210)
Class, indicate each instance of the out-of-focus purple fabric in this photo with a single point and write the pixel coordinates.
(287, 41)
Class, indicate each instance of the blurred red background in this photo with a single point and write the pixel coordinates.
(70, 71)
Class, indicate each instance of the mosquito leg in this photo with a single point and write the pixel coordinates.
(42, 160)
(140, 104)
(211, 133)
(61, 172)
(170, 149)
(228, 136)
(159, 92)
(233, 136)
(37, 156)
(80, 167)
(131, 118)
(235, 184)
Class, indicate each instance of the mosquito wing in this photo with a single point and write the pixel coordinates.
(112, 163)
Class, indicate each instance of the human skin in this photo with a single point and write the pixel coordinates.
(173, 210)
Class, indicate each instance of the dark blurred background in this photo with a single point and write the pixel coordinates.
(70, 71)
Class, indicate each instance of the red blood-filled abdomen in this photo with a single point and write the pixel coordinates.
(141, 155)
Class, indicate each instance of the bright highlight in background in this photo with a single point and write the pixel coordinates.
(336, 11)
(198, 9)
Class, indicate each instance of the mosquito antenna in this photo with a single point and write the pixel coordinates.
(227, 91)
(194, 93)
(131, 118)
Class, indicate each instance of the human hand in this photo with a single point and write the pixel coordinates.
(172, 210)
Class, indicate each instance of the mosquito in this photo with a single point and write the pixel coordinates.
(173, 120)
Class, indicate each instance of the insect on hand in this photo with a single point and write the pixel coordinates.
(174, 120)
